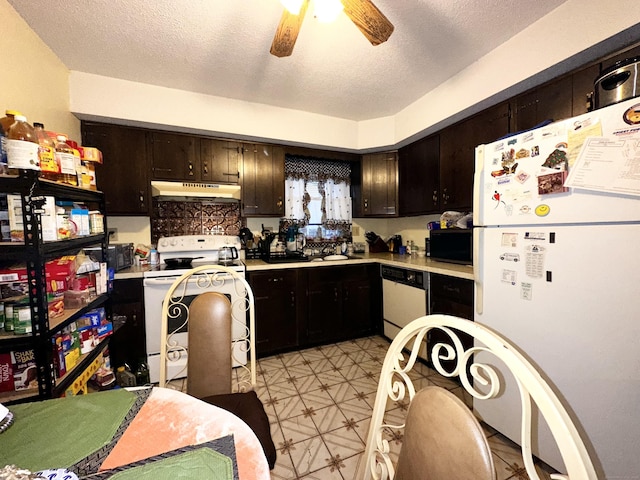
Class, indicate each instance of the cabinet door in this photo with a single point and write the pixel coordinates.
(174, 157)
(262, 180)
(457, 154)
(450, 296)
(379, 184)
(276, 312)
(582, 94)
(361, 300)
(127, 344)
(551, 101)
(123, 176)
(324, 305)
(219, 161)
(419, 177)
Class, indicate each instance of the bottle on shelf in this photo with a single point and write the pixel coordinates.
(49, 167)
(66, 160)
(8, 120)
(22, 146)
(5, 124)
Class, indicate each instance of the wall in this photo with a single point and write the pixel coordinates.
(34, 80)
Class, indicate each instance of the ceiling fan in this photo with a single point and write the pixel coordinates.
(363, 13)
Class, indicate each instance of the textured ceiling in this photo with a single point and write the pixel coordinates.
(221, 48)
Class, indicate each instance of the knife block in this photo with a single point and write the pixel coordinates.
(378, 246)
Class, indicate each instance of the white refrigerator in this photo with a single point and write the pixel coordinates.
(557, 271)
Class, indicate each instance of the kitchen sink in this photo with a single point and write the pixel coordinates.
(334, 258)
(330, 258)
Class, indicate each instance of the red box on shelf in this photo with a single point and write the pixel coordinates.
(6, 373)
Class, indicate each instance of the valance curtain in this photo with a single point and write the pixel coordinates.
(334, 180)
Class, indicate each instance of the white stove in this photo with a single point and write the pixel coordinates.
(202, 250)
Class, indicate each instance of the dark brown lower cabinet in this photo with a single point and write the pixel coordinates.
(298, 308)
(342, 303)
(128, 343)
(276, 295)
(451, 296)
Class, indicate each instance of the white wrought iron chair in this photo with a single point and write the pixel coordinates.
(216, 369)
(396, 385)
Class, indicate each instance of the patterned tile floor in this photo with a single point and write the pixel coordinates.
(319, 402)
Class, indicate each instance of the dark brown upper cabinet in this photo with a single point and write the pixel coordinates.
(458, 151)
(552, 101)
(379, 188)
(419, 177)
(262, 180)
(174, 157)
(220, 161)
(124, 174)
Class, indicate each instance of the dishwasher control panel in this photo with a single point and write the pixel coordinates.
(412, 278)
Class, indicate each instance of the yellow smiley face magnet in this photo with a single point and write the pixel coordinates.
(542, 210)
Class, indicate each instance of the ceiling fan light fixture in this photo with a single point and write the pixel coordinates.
(327, 11)
(292, 6)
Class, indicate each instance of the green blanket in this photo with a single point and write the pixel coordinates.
(200, 463)
(58, 433)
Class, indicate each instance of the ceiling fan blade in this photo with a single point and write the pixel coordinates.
(285, 38)
(369, 20)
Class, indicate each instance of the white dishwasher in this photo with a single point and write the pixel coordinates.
(404, 299)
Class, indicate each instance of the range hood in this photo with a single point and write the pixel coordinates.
(195, 189)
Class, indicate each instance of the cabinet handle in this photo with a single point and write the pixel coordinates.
(279, 203)
(190, 169)
(366, 203)
(236, 174)
(293, 299)
(276, 279)
(335, 294)
(205, 168)
(251, 206)
(435, 196)
(445, 197)
(141, 196)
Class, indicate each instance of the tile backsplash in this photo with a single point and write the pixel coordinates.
(172, 218)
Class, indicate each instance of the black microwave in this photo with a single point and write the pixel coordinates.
(453, 245)
(119, 255)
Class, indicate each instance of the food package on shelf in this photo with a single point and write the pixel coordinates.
(90, 154)
(93, 318)
(6, 373)
(25, 372)
(47, 217)
(77, 298)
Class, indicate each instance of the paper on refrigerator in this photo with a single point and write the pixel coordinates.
(608, 164)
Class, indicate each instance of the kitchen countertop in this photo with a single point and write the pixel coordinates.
(424, 264)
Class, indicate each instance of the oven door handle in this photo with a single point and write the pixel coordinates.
(150, 282)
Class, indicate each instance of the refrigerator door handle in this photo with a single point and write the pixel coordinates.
(478, 185)
(477, 267)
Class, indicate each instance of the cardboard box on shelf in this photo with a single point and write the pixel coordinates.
(25, 372)
(16, 225)
(81, 219)
(105, 330)
(71, 357)
(47, 218)
(6, 373)
(92, 318)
